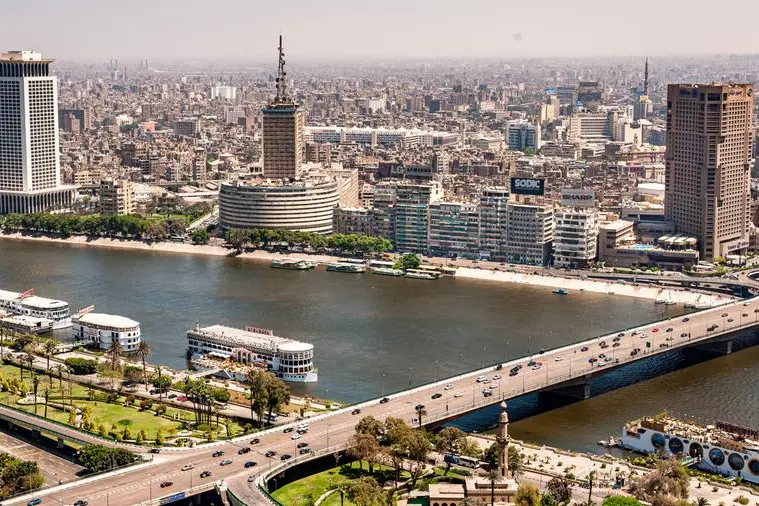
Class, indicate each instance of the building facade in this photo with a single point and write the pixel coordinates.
(521, 135)
(352, 220)
(575, 242)
(30, 175)
(708, 164)
(117, 197)
(530, 234)
(454, 230)
(494, 223)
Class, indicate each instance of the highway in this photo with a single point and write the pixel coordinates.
(457, 396)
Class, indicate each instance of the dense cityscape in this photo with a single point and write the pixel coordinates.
(410, 281)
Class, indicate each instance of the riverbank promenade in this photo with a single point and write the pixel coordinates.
(565, 371)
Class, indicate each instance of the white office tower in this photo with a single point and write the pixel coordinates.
(30, 174)
(575, 239)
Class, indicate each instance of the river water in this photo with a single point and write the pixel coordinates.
(375, 334)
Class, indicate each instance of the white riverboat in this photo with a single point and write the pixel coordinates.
(723, 448)
(293, 264)
(346, 267)
(28, 304)
(101, 330)
(387, 271)
(289, 359)
(417, 274)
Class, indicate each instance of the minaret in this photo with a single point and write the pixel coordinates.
(645, 79)
(503, 440)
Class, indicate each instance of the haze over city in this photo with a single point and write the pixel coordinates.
(244, 30)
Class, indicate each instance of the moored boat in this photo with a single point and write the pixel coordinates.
(420, 275)
(293, 264)
(387, 271)
(561, 291)
(340, 267)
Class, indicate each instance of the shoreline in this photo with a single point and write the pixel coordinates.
(595, 286)
(571, 284)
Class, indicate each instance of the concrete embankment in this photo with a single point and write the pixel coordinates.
(597, 286)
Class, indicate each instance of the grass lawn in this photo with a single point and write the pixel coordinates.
(334, 500)
(115, 414)
(318, 483)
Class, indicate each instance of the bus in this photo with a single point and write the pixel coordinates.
(461, 460)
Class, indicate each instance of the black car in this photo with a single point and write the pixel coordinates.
(242, 451)
(384, 400)
(217, 453)
(487, 394)
(81, 502)
(250, 463)
(592, 359)
(513, 373)
(419, 407)
(304, 451)
(685, 320)
(615, 345)
(584, 348)
(684, 334)
(355, 411)
(286, 456)
(255, 441)
(302, 444)
(154, 450)
(205, 474)
(670, 329)
(616, 339)
(437, 395)
(288, 429)
(270, 453)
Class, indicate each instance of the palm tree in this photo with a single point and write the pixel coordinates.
(143, 350)
(29, 359)
(420, 412)
(36, 386)
(47, 396)
(494, 476)
(591, 478)
(701, 501)
(49, 348)
(59, 369)
(115, 352)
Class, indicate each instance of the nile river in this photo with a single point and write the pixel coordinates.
(376, 334)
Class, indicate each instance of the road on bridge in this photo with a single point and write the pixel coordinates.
(452, 398)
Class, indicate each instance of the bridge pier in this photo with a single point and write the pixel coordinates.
(61, 443)
(576, 392)
(716, 347)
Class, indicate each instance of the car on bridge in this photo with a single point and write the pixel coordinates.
(449, 386)
(165, 484)
(188, 467)
(297, 435)
(225, 462)
(511, 373)
(686, 319)
(730, 320)
(288, 429)
(670, 329)
(457, 395)
(34, 502)
(384, 400)
(437, 395)
(655, 330)
(218, 453)
(302, 444)
(205, 474)
(286, 456)
(304, 451)
(243, 451)
(250, 463)
(481, 379)
(584, 349)
(356, 411)
(255, 441)
(725, 315)
(270, 453)
(81, 502)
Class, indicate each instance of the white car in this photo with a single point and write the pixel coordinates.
(559, 359)
(493, 386)
(296, 436)
(496, 377)
(188, 467)
(448, 387)
(481, 379)
(457, 395)
(635, 332)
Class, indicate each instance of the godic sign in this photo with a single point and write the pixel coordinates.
(527, 186)
(578, 197)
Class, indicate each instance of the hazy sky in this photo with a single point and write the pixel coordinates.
(247, 29)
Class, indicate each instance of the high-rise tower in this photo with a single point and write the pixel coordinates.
(708, 164)
(30, 174)
(283, 124)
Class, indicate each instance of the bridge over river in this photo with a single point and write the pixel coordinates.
(564, 371)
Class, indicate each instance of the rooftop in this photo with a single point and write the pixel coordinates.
(22, 56)
(253, 338)
(107, 320)
(33, 301)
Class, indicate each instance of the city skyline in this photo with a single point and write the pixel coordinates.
(423, 29)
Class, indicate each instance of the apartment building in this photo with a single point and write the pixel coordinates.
(530, 234)
(575, 241)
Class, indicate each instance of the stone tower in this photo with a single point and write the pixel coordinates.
(503, 440)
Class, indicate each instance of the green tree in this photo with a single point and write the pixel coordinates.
(158, 437)
(72, 416)
(49, 348)
(259, 394)
(407, 261)
(559, 490)
(418, 448)
(527, 495)
(668, 480)
(162, 383)
(100, 458)
(366, 492)
(114, 353)
(277, 394)
(450, 440)
(200, 236)
(81, 366)
(420, 412)
(364, 447)
(371, 426)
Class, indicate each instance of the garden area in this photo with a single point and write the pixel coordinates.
(115, 414)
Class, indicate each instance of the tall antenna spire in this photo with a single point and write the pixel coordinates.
(645, 79)
(281, 76)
